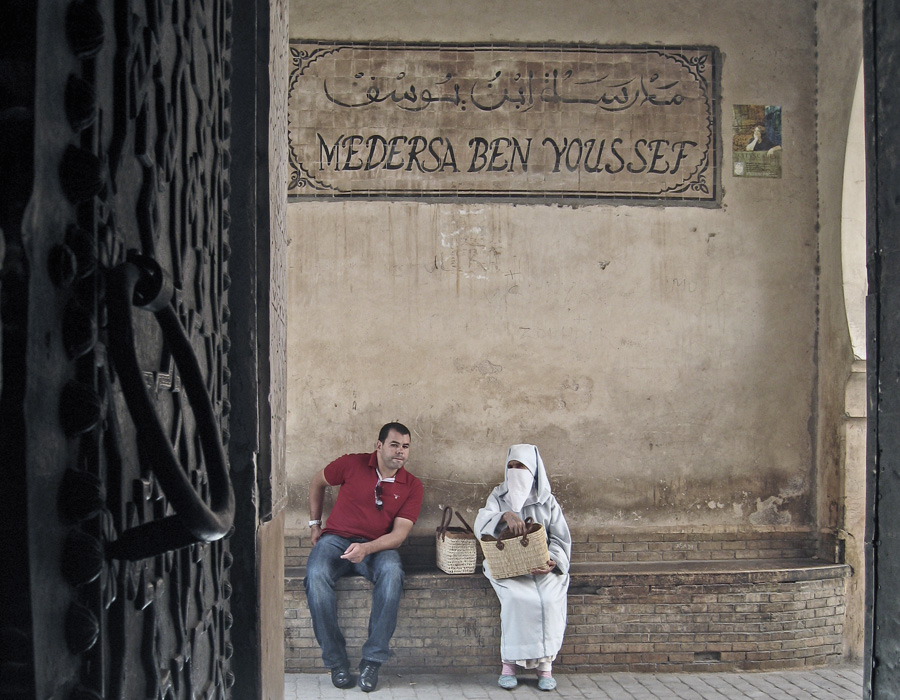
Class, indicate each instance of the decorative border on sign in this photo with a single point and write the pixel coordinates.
(698, 186)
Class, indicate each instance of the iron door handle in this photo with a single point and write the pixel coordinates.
(143, 283)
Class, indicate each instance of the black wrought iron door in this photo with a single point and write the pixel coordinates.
(126, 405)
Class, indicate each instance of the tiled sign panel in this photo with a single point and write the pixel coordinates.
(503, 121)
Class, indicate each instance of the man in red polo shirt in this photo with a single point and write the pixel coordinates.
(376, 506)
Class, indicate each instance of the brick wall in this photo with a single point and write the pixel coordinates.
(628, 546)
(644, 620)
(693, 546)
(753, 620)
(673, 612)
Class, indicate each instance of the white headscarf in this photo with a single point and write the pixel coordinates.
(531, 458)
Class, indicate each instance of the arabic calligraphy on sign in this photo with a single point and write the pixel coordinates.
(519, 91)
(513, 120)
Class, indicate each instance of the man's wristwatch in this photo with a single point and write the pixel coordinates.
(315, 522)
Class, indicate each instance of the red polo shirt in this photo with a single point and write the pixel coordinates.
(354, 513)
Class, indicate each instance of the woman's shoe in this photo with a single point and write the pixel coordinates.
(547, 683)
(507, 682)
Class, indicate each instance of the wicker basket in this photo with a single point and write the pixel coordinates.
(456, 551)
(511, 556)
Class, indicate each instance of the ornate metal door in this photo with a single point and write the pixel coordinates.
(125, 399)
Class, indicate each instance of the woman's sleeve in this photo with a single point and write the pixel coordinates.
(560, 544)
(489, 519)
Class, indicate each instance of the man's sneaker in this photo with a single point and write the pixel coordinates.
(340, 676)
(368, 675)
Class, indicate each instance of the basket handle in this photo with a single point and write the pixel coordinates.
(446, 517)
(529, 521)
(462, 520)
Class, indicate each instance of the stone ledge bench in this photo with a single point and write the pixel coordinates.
(664, 616)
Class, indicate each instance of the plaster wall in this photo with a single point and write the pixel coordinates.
(842, 288)
(664, 359)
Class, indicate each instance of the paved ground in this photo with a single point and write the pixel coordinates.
(836, 683)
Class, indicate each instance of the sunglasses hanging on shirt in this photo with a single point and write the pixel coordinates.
(379, 490)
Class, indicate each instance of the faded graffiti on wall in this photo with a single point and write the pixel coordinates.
(519, 121)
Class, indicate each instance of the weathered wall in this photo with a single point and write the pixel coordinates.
(840, 24)
(841, 416)
(663, 358)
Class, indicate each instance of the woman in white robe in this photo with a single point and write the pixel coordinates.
(532, 607)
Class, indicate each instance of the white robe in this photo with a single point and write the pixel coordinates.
(532, 608)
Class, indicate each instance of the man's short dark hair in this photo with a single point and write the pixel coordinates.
(398, 427)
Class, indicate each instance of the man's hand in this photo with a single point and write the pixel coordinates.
(315, 532)
(356, 552)
(317, 486)
(545, 570)
(515, 524)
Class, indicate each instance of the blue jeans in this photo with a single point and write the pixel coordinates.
(323, 569)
